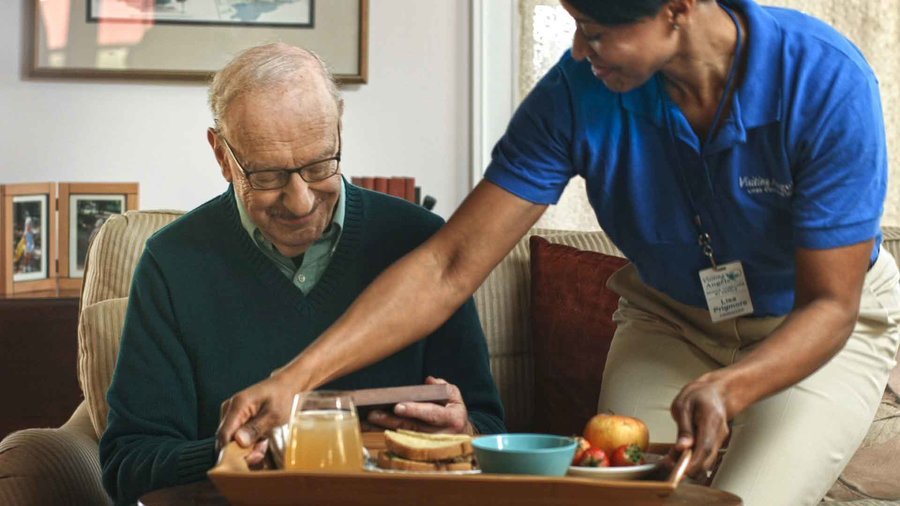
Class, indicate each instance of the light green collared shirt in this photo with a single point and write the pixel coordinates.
(315, 259)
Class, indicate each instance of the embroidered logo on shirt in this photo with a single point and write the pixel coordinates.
(756, 184)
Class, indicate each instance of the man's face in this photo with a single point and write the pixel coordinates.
(623, 56)
(283, 129)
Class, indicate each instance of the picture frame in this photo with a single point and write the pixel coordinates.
(83, 208)
(190, 39)
(27, 238)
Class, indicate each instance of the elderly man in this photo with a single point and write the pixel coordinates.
(238, 286)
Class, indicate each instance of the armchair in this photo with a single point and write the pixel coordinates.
(61, 465)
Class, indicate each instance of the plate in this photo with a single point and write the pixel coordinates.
(618, 473)
(372, 467)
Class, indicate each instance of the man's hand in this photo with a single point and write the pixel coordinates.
(252, 413)
(426, 416)
(256, 458)
(701, 412)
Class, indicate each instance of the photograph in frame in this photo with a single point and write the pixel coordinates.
(183, 40)
(29, 238)
(278, 13)
(83, 208)
(87, 213)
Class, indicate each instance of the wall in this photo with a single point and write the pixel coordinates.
(410, 119)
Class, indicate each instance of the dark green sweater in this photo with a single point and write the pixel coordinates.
(210, 315)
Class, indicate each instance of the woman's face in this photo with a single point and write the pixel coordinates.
(624, 56)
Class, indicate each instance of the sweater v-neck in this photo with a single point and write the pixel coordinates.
(266, 272)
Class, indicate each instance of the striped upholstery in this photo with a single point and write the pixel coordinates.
(112, 258)
(52, 466)
(99, 330)
(115, 252)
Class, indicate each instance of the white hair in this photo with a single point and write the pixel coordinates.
(264, 67)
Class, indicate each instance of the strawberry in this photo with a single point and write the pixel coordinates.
(627, 455)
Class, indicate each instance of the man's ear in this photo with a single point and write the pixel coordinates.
(219, 152)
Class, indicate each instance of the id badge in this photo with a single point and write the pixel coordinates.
(727, 295)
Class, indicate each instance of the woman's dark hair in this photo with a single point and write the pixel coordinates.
(618, 12)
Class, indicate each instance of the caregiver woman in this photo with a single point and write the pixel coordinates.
(736, 155)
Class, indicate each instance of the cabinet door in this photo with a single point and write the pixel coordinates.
(38, 362)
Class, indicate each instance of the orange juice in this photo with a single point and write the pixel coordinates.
(324, 439)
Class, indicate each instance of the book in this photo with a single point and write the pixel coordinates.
(410, 190)
(397, 187)
(381, 184)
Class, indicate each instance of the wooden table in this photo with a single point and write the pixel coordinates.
(203, 493)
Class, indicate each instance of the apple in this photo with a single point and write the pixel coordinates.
(609, 431)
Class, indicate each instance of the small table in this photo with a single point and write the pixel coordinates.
(203, 493)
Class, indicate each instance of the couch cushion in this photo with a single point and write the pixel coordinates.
(572, 327)
(504, 302)
(51, 467)
(99, 330)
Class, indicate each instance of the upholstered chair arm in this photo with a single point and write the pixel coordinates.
(52, 466)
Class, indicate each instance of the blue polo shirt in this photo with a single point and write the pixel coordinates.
(799, 162)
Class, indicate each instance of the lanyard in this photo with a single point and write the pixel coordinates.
(703, 238)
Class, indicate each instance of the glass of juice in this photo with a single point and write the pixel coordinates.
(324, 433)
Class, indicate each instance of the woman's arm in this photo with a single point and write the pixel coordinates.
(406, 302)
(826, 307)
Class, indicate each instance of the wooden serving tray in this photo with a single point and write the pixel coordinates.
(277, 487)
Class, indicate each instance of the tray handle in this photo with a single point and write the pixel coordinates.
(231, 458)
(677, 473)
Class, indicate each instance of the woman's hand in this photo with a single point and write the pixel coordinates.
(249, 416)
(702, 414)
(427, 416)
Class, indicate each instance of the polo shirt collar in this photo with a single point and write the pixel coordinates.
(758, 99)
(760, 92)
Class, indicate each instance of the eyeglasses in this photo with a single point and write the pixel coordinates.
(274, 179)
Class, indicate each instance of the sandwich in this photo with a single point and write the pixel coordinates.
(417, 451)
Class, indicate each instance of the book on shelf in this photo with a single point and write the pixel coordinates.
(381, 184)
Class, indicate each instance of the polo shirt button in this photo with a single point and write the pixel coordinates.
(301, 278)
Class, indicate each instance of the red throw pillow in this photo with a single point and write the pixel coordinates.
(572, 327)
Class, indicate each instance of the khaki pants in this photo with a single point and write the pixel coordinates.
(787, 449)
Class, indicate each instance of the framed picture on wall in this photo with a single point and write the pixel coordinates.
(190, 39)
(83, 208)
(27, 235)
(279, 13)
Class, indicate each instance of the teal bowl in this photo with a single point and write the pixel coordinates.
(541, 454)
